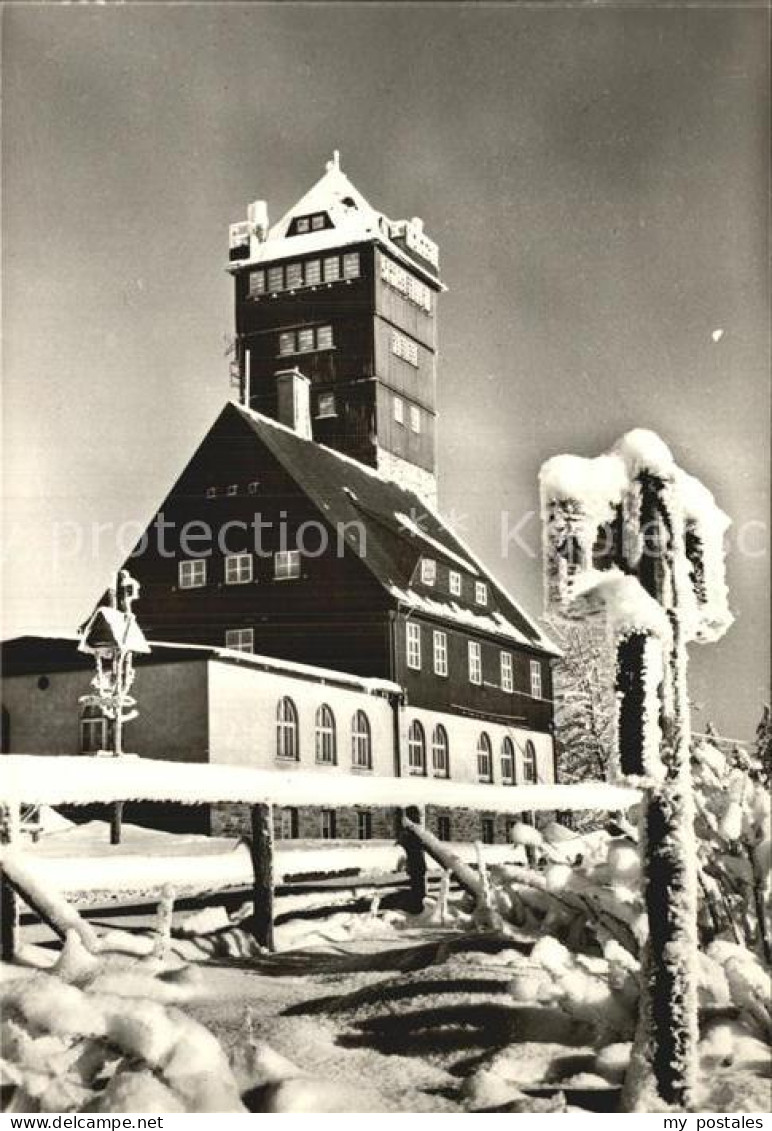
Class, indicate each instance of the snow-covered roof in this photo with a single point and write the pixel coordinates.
(353, 218)
(90, 779)
(25, 654)
(400, 527)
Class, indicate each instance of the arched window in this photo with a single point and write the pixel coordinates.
(416, 748)
(507, 762)
(361, 742)
(326, 745)
(440, 752)
(484, 758)
(529, 763)
(95, 731)
(287, 744)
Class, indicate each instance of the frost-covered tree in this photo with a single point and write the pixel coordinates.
(764, 743)
(631, 536)
(584, 700)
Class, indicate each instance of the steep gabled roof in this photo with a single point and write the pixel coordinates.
(391, 529)
(354, 221)
(335, 194)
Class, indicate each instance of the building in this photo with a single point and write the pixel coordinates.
(337, 291)
(202, 704)
(301, 544)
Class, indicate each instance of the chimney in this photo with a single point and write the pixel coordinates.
(294, 401)
(257, 218)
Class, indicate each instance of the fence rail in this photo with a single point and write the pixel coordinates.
(65, 780)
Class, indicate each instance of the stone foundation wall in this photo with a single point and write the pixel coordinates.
(233, 820)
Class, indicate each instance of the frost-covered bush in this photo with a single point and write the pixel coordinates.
(732, 826)
(107, 1044)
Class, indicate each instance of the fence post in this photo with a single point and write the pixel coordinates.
(415, 858)
(9, 920)
(116, 822)
(261, 849)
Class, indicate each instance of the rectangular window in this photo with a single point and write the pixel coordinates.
(286, 565)
(192, 573)
(325, 406)
(415, 419)
(454, 581)
(475, 662)
(256, 283)
(488, 830)
(288, 823)
(240, 639)
(331, 269)
(253, 487)
(440, 652)
(405, 348)
(294, 275)
(286, 342)
(399, 410)
(93, 735)
(443, 828)
(305, 340)
(313, 272)
(364, 825)
(275, 278)
(211, 492)
(413, 645)
(324, 338)
(303, 225)
(328, 824)
(507, 680)
(351, 265)
(238, 569)
(428, 571)
(535, 679)
(481, 593)
(317, 223)
(233, 489)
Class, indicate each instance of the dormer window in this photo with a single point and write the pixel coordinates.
(481, 593)
(428, 571)
(316, 222)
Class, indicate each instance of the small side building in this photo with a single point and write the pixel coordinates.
(205, 704)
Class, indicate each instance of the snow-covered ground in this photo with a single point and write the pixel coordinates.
(79, 860)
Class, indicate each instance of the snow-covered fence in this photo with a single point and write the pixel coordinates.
(51, 780)
(47, 780)
(631, 536)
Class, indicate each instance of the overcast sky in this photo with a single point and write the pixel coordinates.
(596, 179)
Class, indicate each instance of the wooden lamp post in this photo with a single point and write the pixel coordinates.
(112, 636)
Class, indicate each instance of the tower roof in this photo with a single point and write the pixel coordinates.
(334, 194)
(350, 219)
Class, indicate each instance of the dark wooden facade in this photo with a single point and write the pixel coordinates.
(360, 368)
(336, 614)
